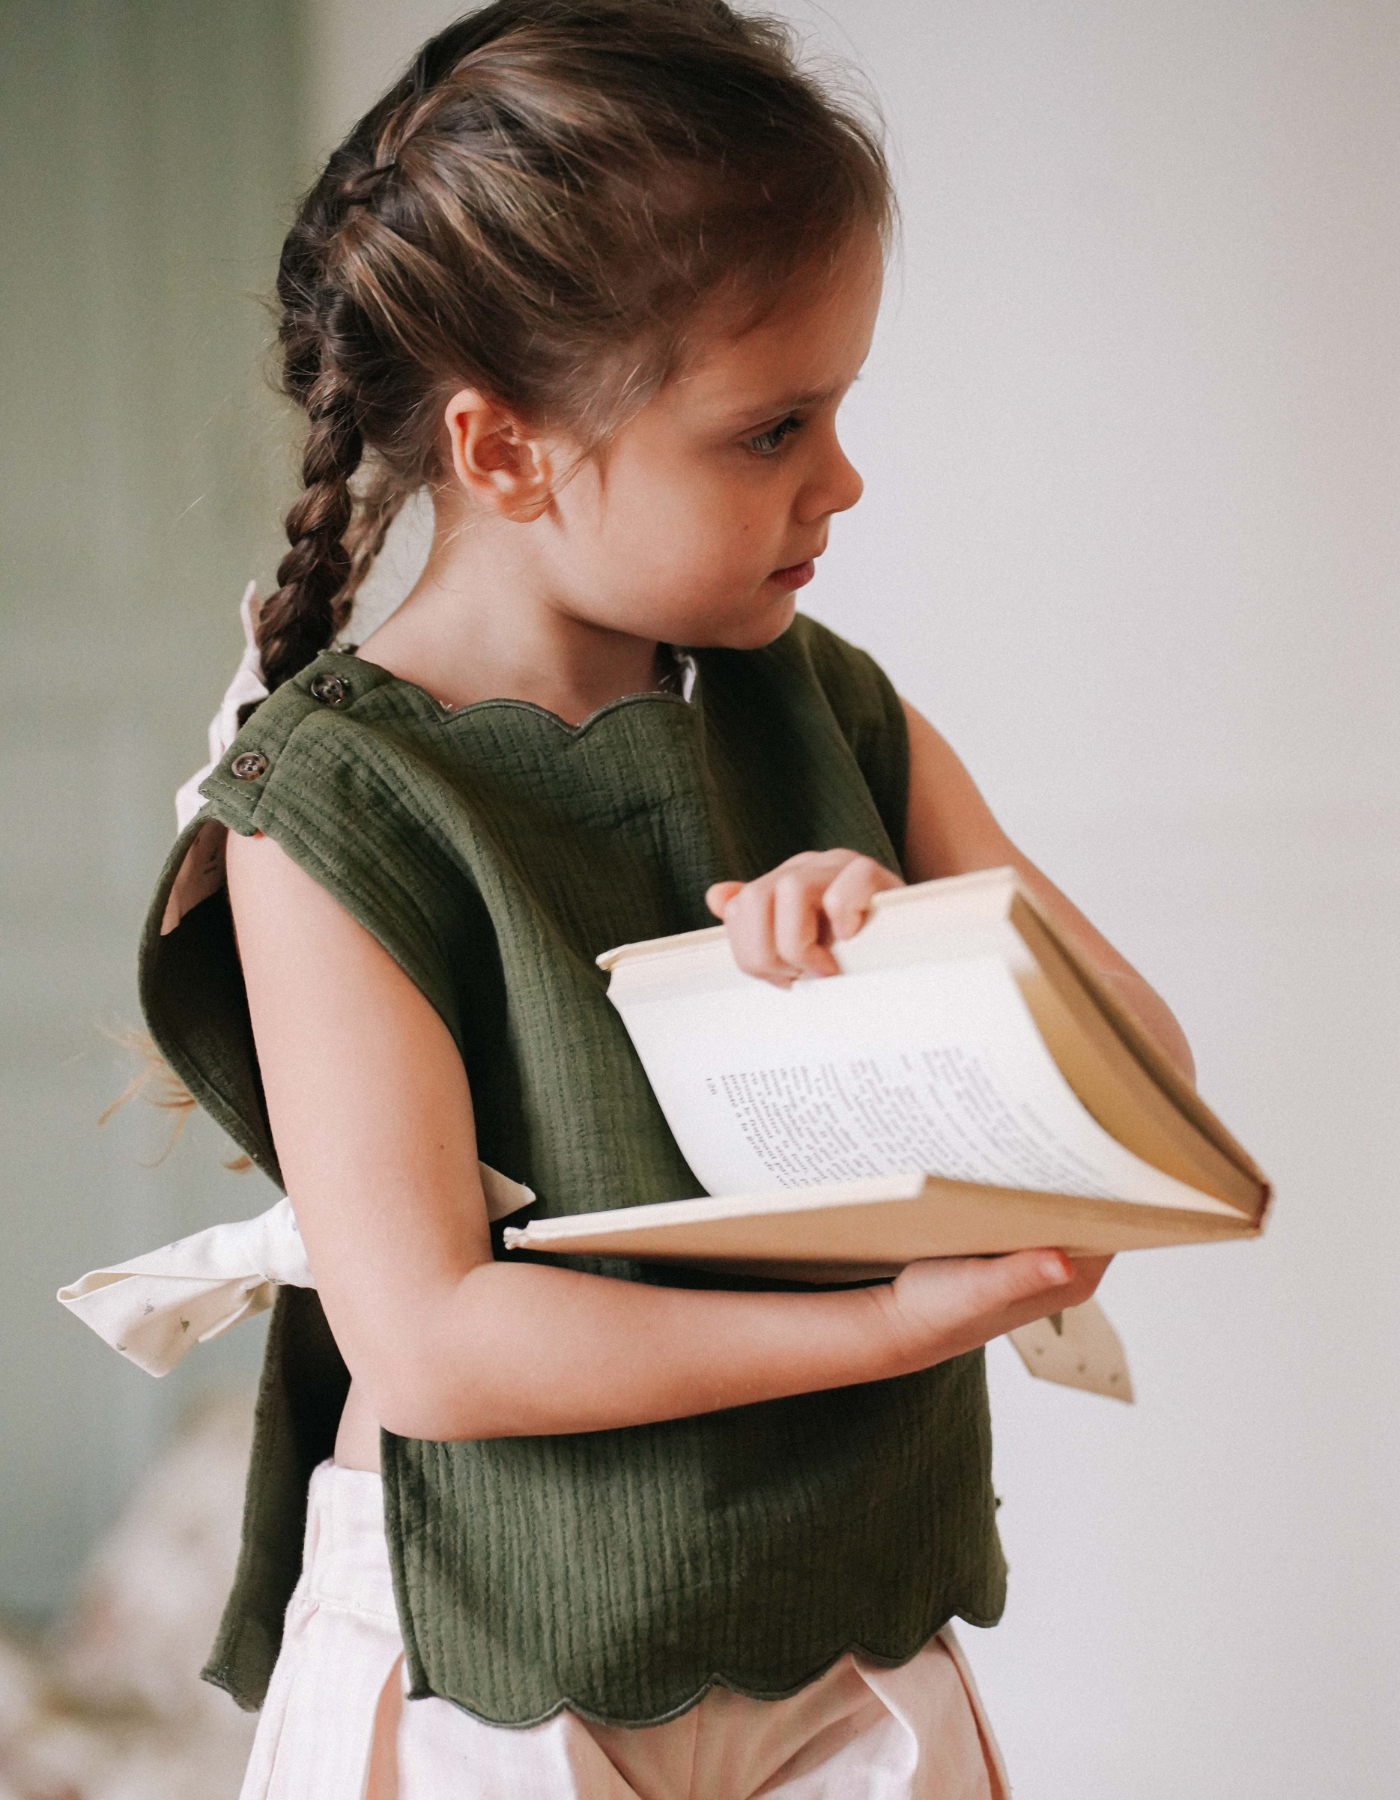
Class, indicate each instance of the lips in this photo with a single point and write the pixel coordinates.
(796, 576)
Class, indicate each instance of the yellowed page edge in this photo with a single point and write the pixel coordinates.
(1142, 1045)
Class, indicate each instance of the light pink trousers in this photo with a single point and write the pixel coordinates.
(336, 1725)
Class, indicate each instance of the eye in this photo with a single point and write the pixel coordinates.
(769, 442)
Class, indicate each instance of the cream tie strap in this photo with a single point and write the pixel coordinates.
(156, 1307)
(1076, 1348)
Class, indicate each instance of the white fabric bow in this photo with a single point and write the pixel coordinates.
(156, 1307)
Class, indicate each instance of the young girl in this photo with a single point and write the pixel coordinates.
(598, 275)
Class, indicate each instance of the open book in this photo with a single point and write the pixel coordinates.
(966, 1085)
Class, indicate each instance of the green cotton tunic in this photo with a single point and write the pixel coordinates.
(495, 851)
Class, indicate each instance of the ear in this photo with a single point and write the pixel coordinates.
(496, 459)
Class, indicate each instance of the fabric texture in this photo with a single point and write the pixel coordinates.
(337, 1725)
(495, 851)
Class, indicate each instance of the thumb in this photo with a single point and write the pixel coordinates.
(717, 898)
(1027, 1273)
(975, 1286)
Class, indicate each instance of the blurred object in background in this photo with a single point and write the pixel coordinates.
(109, 1705)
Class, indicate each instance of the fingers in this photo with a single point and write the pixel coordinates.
(718, 896)
(799, 926)
(782, 925)
(1089, 1271)
(846, 901)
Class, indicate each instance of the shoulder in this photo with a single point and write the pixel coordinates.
(343, 769)
(339, 724)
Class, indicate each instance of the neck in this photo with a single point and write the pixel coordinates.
(481, 623)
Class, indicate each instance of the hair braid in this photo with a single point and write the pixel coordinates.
(311, 603)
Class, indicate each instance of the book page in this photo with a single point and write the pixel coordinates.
(935, 1068)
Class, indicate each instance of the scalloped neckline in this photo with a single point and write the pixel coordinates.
(445, 713)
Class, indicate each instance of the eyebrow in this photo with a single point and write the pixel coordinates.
(784, 404)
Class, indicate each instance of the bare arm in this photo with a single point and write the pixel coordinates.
(373, 1123)
(951, 831)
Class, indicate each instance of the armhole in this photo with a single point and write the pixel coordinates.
(191, 976)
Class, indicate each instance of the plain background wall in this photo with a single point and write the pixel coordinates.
(1130, 438)
(149, 152)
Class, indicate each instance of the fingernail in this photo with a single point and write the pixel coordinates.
(1055, 1269)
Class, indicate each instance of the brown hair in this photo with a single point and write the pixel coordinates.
(539, 208)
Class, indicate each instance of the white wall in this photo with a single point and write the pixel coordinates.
(1129, 536)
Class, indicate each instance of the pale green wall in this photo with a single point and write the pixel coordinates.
(149, 160)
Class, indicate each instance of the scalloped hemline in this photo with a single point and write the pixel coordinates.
(731, 1684)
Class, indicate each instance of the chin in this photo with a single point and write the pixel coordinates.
(770, 624)
(765, 621)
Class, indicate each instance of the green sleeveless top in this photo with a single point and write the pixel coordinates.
(495, 851)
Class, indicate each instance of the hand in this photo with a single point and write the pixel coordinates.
(781, 925)
(944, 1307)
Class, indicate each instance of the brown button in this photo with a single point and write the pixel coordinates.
(250, 766)
(330, 690)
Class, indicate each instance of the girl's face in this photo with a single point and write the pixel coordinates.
(705, 514)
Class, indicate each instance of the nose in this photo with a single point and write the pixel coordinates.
(834, 486)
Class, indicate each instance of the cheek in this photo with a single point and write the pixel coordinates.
(687, 523)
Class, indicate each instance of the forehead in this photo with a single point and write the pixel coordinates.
(807, 347)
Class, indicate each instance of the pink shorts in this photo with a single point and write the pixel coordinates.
(336, 1725)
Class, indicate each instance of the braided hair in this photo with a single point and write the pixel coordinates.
(538, 209)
